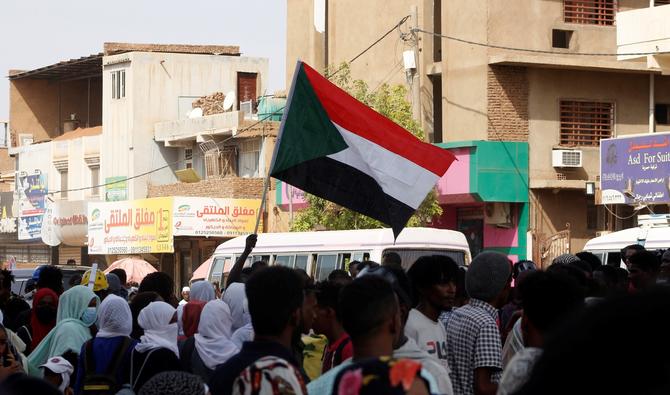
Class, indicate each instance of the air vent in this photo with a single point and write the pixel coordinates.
(566, 158)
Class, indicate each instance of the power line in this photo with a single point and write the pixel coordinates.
(480, 44)
(383, 36)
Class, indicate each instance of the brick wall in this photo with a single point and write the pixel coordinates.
(507, 103)
(228, 187)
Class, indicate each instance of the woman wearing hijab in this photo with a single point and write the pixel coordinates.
(191, 318)
(139, 302)
(201, 293)
(42, 318)
(211, 346)
(77, 311)
(157, 350)
(111, 345)
(236, 298)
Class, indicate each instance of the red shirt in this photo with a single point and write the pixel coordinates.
(338, 352)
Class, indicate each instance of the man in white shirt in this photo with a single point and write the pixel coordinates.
(434, 283)
(185, 295)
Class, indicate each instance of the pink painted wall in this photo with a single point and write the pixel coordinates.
(299, 200)
(457, 179)
(501, 237)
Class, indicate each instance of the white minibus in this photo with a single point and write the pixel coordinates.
(319, 253)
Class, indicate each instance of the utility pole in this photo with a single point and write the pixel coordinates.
(411, 63)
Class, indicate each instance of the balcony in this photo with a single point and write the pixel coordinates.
(186, 131)
(645, 30)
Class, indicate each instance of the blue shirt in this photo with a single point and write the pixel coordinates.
(103, 352)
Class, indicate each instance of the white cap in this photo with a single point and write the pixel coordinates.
(186, 289)
(58, 365)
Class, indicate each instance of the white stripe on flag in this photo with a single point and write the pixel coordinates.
(398, 177)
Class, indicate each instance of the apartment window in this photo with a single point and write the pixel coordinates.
(437, 28)
(561, 38)
(585, 123)
(95, 181)
(661, 2)
(188, 157)
(590, 12)
(662, 113)
(63, 184)
(118, 84)
(249, 156)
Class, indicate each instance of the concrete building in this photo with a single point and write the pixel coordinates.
(508, 72)
(92, 121)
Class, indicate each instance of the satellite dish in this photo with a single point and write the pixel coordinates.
(195, 113)
(229, 101)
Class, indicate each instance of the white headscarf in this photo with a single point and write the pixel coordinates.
(202, 290)
(158, 331)
(114, 317)
(213, 338)
(236, 298)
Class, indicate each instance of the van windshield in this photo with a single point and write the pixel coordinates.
(409, 256)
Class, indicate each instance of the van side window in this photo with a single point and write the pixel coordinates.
(301, 262)
(325, 263)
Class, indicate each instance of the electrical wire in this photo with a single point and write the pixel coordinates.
(541, 51)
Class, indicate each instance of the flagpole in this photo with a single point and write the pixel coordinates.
(266, 184)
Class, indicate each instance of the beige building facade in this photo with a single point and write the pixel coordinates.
(507, 71)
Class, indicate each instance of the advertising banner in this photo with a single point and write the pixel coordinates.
(288, 194)
(7, 215)
(635, 169)
(195, 216)
(116, 189)
(65, 222)
(32, 191)
(130, 227)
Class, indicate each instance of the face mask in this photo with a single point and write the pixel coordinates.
(45, 314)
(89, 316)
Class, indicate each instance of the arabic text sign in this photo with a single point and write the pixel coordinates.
(130, 227)
(194, 216)
(116, 189)
(635, 169)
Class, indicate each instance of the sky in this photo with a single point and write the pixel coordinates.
(38, 33)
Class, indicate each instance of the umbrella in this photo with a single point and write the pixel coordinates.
(203, 270)
(136, 269)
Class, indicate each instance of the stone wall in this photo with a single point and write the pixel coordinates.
(507, 103)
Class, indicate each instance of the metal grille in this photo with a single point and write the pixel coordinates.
(585, 123)
(571, 158)
(590, 12)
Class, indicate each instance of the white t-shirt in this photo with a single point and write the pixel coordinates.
(518, 370)
(429, 335)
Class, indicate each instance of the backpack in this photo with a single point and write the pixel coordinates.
(102, 383)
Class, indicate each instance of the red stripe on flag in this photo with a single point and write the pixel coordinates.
(360, 119)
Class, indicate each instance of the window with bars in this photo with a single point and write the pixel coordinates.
(590, 12)
(118, 84)
(248, 158)
(585, 123)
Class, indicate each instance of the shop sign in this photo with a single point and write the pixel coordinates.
(7, 216)
(130, 227)
(634, 170)
(116, 189)
(212, 217)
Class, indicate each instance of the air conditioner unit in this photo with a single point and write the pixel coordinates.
(498, 214)
(247, 107)
(566, 158)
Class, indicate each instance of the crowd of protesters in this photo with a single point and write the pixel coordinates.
(491, 327)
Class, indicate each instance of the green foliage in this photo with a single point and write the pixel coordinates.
(391, 102)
